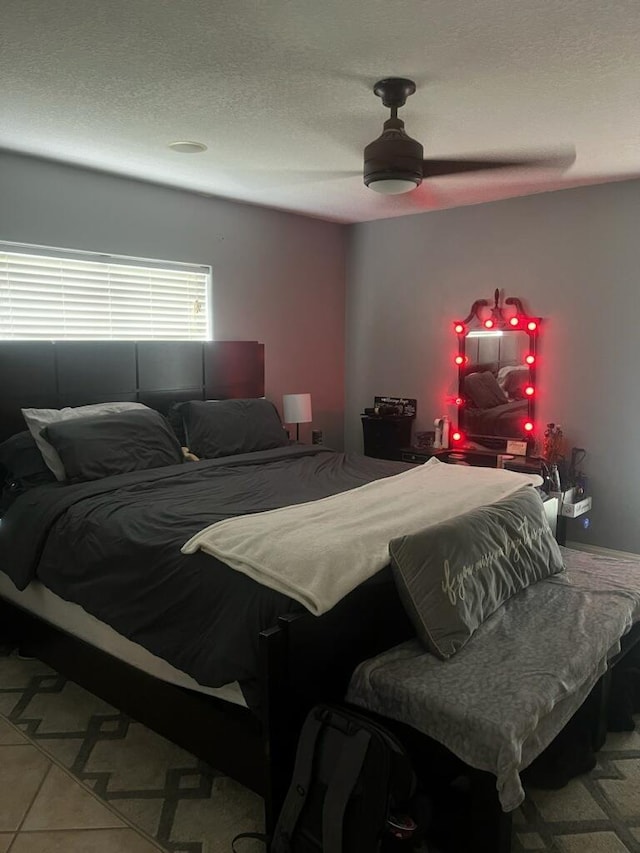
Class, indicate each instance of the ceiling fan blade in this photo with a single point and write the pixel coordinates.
(268, 179)
(293, 176)
(436, 168)
(425, 197)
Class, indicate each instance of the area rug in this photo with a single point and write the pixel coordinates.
(188, 807)
(598, 812)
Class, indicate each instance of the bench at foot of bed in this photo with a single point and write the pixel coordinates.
(539, 666)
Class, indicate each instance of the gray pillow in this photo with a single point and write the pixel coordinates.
(484, 391)
(37, 420)
(452, 576)
(515, 382)
(21, 468)
(227, 427)
(21, 459)
(103, 445)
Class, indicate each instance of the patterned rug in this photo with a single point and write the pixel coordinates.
(182, 802)
(190, 808)
(598, 812)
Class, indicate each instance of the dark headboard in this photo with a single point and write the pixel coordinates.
(48, 374)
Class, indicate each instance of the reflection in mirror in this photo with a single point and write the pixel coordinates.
(496, 373)
(493, 384)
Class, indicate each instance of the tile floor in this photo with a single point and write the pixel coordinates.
(44, 809)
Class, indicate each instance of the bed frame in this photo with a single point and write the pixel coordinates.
(304, 659)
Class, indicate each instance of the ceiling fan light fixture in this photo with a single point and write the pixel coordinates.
(392, 186)
(393, 161)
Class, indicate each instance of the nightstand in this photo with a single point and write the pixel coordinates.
(384, 437)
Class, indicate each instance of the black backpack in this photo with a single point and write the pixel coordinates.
(350, 776)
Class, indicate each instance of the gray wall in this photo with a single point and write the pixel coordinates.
(574, 258)
(277, 278)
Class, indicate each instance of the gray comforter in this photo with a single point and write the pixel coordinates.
(503, 698)
(113, 546)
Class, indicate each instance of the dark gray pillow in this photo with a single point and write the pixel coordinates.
(454, 575)
(515, 381)
(100, 446)
(176, 422)
(22, 467)
(20, 457)
(227, 427)
(483, 390)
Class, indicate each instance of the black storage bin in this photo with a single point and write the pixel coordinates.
(384, 437)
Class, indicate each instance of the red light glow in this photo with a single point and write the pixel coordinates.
(528, 426)
(459, 359)
(456, 436)
(514, 321)
(459, 401)
(530, 359)
(532, 325)
(529, 390)
(458, 328)
(488, 324)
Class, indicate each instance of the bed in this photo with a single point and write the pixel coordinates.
(235, 686)
(238, 706)
(113, 547)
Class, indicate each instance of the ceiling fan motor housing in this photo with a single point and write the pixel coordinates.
(393, 156)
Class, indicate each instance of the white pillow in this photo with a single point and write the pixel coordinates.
(38, 419)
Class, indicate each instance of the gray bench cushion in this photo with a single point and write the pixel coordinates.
(502, 699)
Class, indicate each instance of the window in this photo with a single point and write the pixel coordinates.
(58, 295)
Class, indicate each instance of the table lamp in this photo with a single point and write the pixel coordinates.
(297, 410)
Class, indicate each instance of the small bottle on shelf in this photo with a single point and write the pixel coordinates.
(555, 486)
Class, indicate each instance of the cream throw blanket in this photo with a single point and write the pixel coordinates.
(317, 552)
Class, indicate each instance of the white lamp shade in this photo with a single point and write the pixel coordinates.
(297, 408)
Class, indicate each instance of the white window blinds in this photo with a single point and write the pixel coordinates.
(62, 296)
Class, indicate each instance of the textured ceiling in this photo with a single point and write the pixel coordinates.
(281, 92)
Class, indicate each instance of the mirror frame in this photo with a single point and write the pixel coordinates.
(483, 316)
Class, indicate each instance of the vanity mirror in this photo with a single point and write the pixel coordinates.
(496, 360)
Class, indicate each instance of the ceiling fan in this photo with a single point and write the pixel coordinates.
(394, 163)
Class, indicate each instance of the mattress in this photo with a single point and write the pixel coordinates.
(39, 600)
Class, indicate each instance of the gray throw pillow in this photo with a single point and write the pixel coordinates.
(21, 468)
(37, 420)
(515, 381)
(117, 443)
(227, 427)
(484, 391)
(452, 576)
